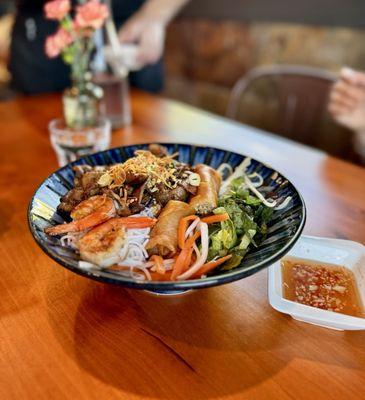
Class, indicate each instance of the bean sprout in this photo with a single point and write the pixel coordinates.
(196, 249)
(192, 226)
(267, 203)
(260, 179)
(284, 204)
(225, 167)
(238, 172)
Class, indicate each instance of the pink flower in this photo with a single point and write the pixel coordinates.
(57, 9)
(57, 42)
(91, 15)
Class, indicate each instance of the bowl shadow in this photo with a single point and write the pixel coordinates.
(188, 347)
(191, 347)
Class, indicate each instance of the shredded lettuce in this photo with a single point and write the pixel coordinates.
(217, 248)
(223, 239)
(246, 226)
(229, 236)
(233, 262)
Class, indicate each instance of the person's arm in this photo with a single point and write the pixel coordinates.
(147, 28)
(162, 10)
(347, 99)
(347, 105)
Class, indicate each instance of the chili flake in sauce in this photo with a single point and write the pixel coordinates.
(329, 287)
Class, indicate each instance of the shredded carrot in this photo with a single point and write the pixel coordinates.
(183, 225)
(183, 260)
(215, 218)
(159, 277)
(180, 263)
(158, 263)
(209, 266)
(188, 259)
(137, 222)
(116, 267)
(192, 239)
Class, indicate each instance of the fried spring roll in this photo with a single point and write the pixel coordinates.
(163, 239)
(207, 197)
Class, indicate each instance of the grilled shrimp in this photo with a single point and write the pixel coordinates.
(101, 246)
(86, 215)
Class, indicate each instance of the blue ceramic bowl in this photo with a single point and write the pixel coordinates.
(283, 230)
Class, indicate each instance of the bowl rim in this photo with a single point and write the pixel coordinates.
(210, 281)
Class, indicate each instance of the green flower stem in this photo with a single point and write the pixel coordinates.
(80, 102)
(67, 24)
(79, 57)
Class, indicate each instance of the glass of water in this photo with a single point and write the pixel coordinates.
(71, 144)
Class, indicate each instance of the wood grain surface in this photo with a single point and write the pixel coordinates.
(65, 337)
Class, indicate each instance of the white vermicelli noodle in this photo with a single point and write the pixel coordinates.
(71, 239)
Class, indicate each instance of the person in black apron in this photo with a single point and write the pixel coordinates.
(33, 72)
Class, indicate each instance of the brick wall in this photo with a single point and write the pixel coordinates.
(204, 58)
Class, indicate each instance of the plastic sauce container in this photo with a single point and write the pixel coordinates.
(313, 250)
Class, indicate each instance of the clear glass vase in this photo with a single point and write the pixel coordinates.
(81, 104)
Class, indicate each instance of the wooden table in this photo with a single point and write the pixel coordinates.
(65, 337)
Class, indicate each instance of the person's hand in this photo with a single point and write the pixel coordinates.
(347, 99)
(148, 34)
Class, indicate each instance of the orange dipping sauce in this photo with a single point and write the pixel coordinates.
(325, 286)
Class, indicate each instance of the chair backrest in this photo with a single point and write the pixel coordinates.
(301, 94)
